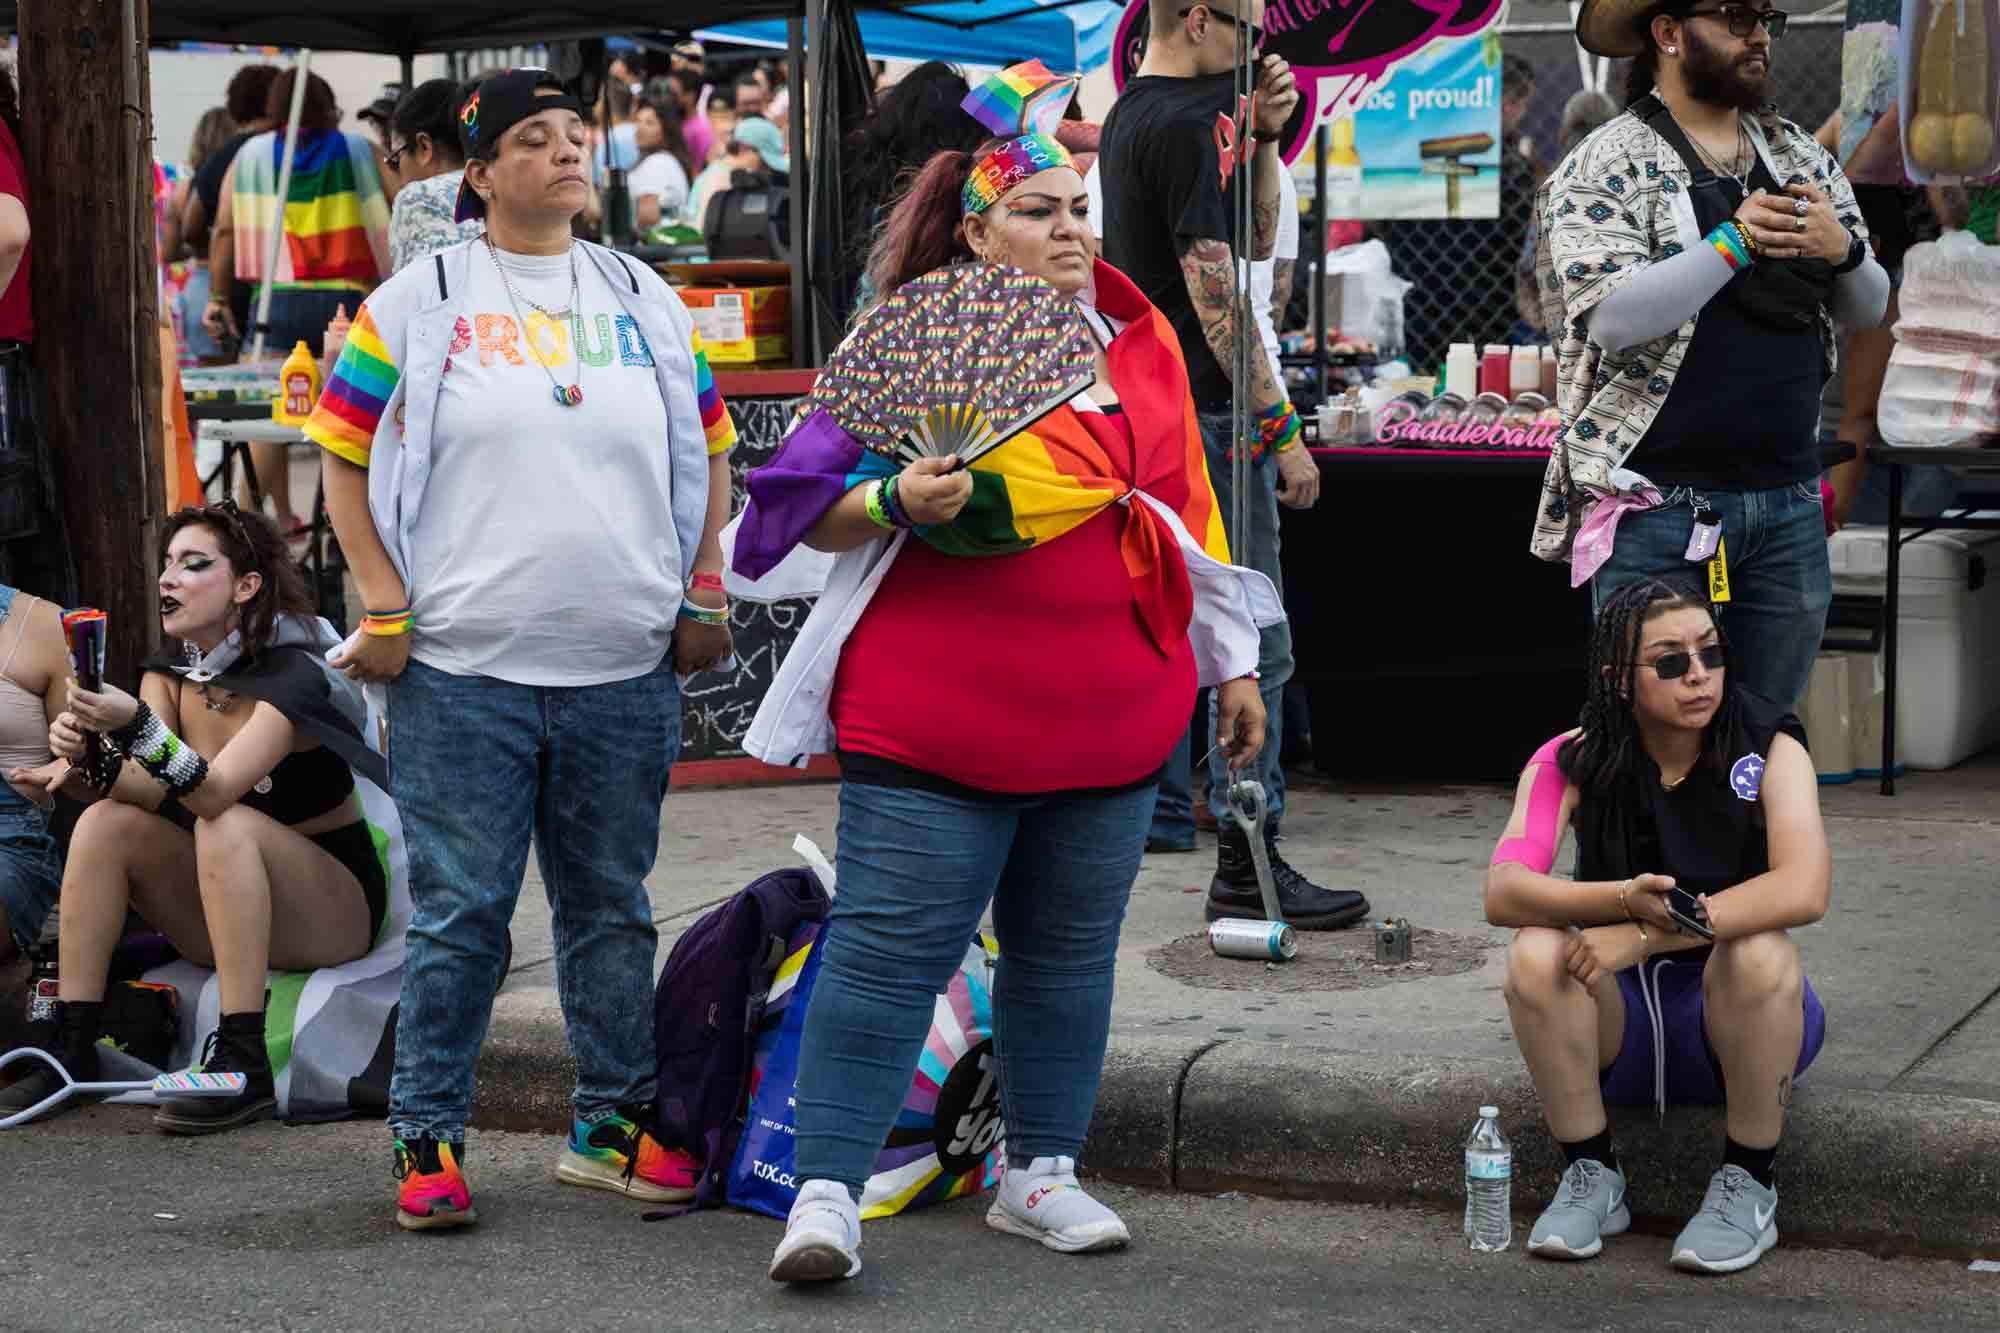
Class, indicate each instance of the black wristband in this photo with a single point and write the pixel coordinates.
(1267, 136)
(1857, 255)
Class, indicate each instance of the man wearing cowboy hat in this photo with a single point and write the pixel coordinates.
(1697, 252)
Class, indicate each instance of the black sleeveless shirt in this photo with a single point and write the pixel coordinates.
(1708, 833)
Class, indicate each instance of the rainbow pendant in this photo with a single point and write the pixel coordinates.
(569, 395)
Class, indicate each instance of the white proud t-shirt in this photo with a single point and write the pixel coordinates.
(545, 552)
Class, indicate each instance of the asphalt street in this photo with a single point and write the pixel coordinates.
(110, 1225)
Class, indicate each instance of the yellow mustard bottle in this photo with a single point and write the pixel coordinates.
(298, 387)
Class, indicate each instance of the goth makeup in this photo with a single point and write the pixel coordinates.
(200, 590)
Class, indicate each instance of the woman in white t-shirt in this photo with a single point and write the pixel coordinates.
(659, 184)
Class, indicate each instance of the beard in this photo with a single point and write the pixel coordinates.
(1712, 75)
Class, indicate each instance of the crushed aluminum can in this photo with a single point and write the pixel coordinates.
(1240, 937)
(1392, 941)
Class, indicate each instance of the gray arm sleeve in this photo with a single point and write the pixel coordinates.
(1666, 295)
(1861, 298)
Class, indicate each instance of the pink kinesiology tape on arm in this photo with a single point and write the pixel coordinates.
(1536, 847)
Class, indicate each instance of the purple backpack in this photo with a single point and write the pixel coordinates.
(706, 1010)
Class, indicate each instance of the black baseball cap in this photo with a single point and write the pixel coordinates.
(495, 106)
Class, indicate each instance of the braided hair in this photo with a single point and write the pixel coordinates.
(1607, 747)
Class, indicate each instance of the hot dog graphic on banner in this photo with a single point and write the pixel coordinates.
(1410, 91)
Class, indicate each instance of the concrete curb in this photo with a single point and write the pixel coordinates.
(1886, 1171)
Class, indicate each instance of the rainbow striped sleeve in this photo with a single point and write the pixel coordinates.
(716, 422)
(356, 394)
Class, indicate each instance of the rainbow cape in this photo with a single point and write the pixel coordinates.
(336, 217)
(1040, 484)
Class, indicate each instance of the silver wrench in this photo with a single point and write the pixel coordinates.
(1247, 807)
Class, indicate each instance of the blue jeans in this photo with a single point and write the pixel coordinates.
(1274, 642)
(1779, 581)
(476, 765)
(1173, 809)
(916, 872)
(30, 872)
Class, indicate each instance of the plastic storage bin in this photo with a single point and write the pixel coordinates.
(1949, 667)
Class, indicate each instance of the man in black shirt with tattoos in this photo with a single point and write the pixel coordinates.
(1167, 226)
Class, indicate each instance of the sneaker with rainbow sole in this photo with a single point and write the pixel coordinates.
(433, 1192)
(621, 1155)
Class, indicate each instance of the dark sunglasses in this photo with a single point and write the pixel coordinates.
(1672, 666)
(1743, 20)
(1256, 29)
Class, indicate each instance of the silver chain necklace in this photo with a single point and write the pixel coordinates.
(1743, 154)
(568, 395)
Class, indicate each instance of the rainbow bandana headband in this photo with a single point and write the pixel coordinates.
(1007, 166)
(1023, 104)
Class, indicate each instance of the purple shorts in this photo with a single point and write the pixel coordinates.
(1692, 1073)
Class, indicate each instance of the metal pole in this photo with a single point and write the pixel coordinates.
(1244, 179)
(803, 323)
(1892, 596)
(1322, 141)
(301, 71)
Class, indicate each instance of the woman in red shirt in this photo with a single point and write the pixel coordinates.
(1000, 705)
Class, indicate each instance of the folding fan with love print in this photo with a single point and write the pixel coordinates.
(957, 362)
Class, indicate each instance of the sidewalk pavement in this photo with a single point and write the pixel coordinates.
(1279, 1088)
(1894, 1138)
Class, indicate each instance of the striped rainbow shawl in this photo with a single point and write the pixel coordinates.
(336, 215)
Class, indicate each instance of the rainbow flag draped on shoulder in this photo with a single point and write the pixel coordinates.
(1042, 483)
(336, 214)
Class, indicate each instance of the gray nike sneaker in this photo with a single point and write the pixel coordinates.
(1589, 1205)
(1734, 1227)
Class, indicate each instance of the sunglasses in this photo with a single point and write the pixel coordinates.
(1743, 20)
(1672, 666)
(1256, 29)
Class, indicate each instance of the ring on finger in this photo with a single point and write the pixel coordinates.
(1799, 223)
(1799, 206)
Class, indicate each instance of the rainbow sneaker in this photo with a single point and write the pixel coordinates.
(433, 1192)
(619, 1155)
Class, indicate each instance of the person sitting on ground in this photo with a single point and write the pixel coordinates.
(34, 666)
(659, 184)
(426, 156)
(1676, 783)
(231, 823)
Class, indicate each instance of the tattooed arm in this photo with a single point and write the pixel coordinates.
(1281, 291)
(1210, 274)
(1266, 167)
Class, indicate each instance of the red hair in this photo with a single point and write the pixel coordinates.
(923, 231)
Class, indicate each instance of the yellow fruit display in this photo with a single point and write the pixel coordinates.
(1952, 130)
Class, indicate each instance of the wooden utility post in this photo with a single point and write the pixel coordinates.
(86, 124)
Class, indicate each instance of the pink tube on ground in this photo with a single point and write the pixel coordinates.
(1536, 847)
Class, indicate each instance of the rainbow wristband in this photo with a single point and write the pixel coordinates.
(387, 626)
(892, 504)
(1732, 244)
(704, 615)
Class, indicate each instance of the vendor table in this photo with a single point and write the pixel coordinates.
(1431, 644)
(1978, 462)
(236, 431)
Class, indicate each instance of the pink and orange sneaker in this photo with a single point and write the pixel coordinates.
(433, 1191)
(618, 1155)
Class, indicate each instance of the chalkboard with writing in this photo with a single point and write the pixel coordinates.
(716, 707)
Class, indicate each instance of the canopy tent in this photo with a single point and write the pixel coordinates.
(1069, 36)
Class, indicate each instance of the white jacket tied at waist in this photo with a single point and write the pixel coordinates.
(1231, 604)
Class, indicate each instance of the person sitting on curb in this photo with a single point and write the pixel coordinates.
(1675, 781)
(223, 808)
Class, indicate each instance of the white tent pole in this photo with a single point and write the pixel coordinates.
(1592, 79)
(301, 71)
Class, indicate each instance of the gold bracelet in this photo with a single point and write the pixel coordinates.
(1622, 903)
(1645, 940)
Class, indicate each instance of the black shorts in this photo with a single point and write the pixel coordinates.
(353, 845)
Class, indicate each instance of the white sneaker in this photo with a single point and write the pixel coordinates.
(822, 1236)
(1043, 1202)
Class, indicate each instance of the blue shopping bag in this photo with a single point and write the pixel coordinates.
(948, 1139)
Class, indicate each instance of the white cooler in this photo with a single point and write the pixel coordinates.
(1949, 662)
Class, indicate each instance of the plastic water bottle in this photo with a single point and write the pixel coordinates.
(1489, 1185)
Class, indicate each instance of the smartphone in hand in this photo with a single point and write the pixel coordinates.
(1687, 913)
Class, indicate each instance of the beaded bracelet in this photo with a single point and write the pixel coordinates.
(871, 501)
(892, 504)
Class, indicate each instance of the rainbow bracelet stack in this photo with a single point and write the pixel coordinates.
(1732, 241)
(1278, 429)
(877, 508)
(705, 615)
(387, 624)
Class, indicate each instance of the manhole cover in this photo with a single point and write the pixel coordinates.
(1327, 960)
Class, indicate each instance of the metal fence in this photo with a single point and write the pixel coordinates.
(1462, 272)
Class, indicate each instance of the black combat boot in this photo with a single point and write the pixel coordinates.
(1307, 906)
(235, 1047)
